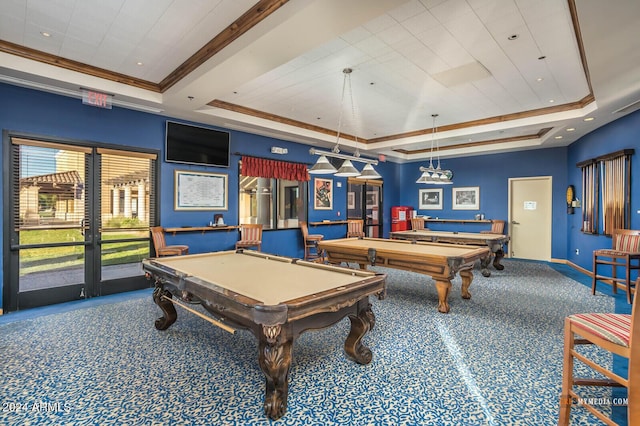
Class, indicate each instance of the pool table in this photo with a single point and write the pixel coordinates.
(495, 242)
(440, 261)
(276, 298)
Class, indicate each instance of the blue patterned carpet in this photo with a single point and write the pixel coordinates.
(493, 360)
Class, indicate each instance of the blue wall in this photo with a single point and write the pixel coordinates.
(491, 173)
(41, 114)
(621, 134)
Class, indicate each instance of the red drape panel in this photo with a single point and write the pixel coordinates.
(273, 169)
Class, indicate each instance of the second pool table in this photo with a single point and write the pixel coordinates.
(495, 242)
(440, 261)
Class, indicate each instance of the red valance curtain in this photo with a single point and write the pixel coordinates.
(273, 169)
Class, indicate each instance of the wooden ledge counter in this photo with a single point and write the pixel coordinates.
(440, 261)
(276, 298)
(202, 229)
(458, 220)
(495, 242)
(328, 222)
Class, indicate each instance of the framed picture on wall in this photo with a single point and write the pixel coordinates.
(323, 194)
(200, 191)
(351, 200)
(430, 199)
(466, 198)
(372, 199)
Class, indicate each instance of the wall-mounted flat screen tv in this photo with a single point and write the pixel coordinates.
(196, 145)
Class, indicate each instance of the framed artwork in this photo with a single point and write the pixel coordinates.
(372, 199)
(466, 198)
(430, 199)
(200, 191)
(351, 200)
(323, 194)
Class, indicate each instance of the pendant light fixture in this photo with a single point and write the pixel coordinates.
(434, 175)
(323, 166)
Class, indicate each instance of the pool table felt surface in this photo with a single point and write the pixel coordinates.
(265, 279)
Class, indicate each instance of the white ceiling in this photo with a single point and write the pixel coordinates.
(284, 76)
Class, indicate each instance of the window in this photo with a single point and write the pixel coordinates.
(606, 192)
(273, 193)
(275, 203)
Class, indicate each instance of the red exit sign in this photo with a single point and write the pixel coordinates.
(97, 99)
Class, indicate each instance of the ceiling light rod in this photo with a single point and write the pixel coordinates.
(314, 151)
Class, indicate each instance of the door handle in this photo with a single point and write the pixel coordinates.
(513, 222)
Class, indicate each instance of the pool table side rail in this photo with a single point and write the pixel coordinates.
(231, 306)
(452, 238)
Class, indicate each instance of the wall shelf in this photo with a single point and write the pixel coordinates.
(459, 220)
(202, 229)
(329, 222)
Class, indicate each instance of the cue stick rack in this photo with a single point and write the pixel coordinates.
(217, 323)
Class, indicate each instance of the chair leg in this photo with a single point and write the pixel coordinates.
(567, 375)
(628, 281)
(595, 274)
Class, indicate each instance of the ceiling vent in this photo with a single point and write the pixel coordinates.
(468, 73)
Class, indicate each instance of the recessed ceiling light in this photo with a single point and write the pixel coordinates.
(571, 129)
(589, 119)
(139, 63)
(45, 34)
(558, 137)
(551, 101)
(539, 79)
(513, 37)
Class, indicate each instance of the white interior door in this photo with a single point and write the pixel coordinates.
(530, 218)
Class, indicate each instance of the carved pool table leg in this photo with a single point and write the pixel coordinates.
(484, 266)
(360, 324)
(275, 361)
(467, 277)
(497, 259)
(443, 287)
(169, 314)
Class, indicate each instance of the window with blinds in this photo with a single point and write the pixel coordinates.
(606, 192)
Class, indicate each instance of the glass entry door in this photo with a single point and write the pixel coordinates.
(79, 222)
(364, 201)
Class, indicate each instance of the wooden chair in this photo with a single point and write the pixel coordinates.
(497, 227)
(417, 223)
(250, 236)
(615, 333)
(162, 249)
(310, 243)
(355, 228)
(624, 254)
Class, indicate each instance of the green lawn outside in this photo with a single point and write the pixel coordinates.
(53, 258)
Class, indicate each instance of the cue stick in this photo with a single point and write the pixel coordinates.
(211, 320)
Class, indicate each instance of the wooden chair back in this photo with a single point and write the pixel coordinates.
(497, 227)
(310, 243)
(355, 228)
(160, 245)
(304, 229)
(250, 236)
(417, 223)
(627, 240)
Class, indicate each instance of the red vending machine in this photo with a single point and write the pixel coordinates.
(401, 218)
